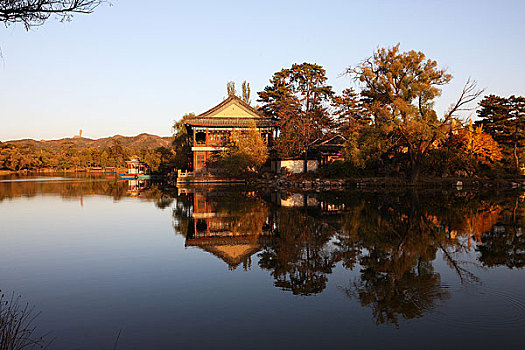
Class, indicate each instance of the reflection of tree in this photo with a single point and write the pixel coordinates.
(397, 244)
(161, 196)
(77, 187)
(396, 238)
(494, 222)
(409, 295)
(300, 260)
(70, 188)
(347, 243)
(182, 215)
(393, 238)
(504, 243)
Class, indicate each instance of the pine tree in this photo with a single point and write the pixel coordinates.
(299, 98)
(504, 119)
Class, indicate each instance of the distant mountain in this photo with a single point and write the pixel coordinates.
(142, 141)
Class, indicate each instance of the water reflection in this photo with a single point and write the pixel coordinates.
(398, 255)
(15, 187)
(300, 260)
(68, 187)
(392, 240)
(503, 243)
(231, 226)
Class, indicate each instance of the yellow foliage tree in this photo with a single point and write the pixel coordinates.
(479, 145)
(475, 147)
(245, 153)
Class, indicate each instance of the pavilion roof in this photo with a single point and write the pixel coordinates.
(335, 142)
(232, 250)
(231, 112)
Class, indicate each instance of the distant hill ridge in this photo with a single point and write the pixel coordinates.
(141, 141)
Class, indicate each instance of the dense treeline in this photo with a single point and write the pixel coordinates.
(390, 123)
(68, 156)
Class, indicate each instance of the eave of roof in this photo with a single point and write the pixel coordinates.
(226, 122)
(329, 142)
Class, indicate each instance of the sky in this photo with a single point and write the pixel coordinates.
(137, 66)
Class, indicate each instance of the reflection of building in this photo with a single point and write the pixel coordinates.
(136, 186)
(294, 200)
(210, 131)
(231, 233)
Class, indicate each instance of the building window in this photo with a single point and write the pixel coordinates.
(201, 159)
(201, 204)
(200, 138)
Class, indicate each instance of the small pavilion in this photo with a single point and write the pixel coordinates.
(136, 167)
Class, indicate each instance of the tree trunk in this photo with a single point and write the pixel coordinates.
(305, 161)
(414, 172)
(516, 159)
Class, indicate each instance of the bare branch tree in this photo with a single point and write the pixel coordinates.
(469, 94)
(36, 12)
(230, 88)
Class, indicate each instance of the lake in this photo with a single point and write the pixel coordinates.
(135, 265)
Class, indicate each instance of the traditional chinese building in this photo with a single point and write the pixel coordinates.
(210, 131)
(329, 150)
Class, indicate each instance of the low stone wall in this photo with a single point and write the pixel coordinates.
(285, 182)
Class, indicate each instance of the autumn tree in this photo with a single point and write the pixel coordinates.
(504, 119)
(245, 153)
(35, 12)
(181, 143)
(299, 98)
(151, 158)
(474, 147)
(17, 158)
(399, 89)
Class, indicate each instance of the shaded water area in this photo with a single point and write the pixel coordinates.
(143, 266)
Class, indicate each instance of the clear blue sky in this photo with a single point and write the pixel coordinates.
(137, 66)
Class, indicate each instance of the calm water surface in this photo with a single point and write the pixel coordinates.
(239, 269)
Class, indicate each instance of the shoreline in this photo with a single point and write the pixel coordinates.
(53, 170)
(309, 182)
(320, 184)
